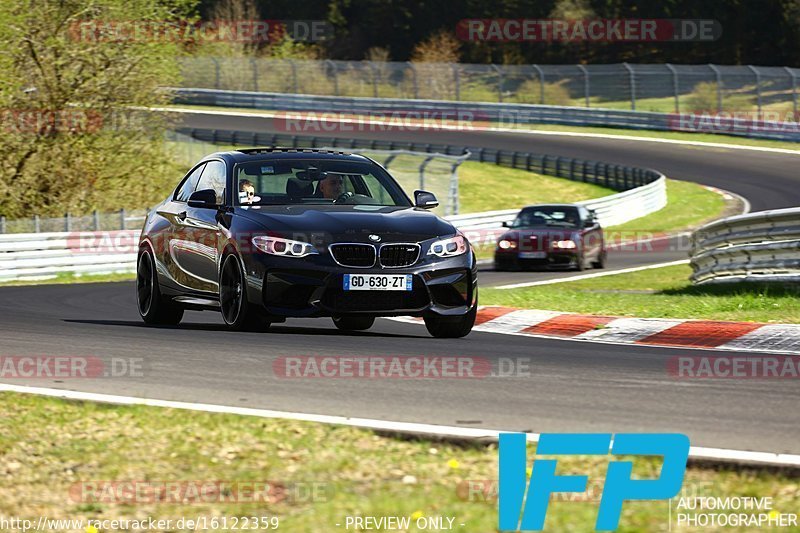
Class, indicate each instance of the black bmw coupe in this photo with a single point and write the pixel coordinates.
(265, 234)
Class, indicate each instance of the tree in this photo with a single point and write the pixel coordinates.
(73, 81)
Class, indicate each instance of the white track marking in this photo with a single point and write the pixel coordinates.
(719, 454)
(592, 275)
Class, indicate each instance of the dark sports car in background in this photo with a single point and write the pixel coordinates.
(265, 234)
(552, 236)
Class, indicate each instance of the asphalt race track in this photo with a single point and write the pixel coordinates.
(572, 386)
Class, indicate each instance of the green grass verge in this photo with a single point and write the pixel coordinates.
(677, 135)
(69, 277)
(488, 187)
(656, 293)
(50, 447)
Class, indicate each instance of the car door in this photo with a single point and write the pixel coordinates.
(172, 236)
(197, 253)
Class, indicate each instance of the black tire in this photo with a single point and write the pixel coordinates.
(581, 262)
(601, 260)
(448, 327)
(353, 323)
(237, 312)
(154, 308)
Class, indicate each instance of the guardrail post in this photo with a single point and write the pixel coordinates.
(122, 219)
(794, 92)
(675, 87)
(585, 83)
(541, 82)
(67, 222)
(758, 88)
(96, 217)
(719, 86)
(37, 227)
(632, 83)
(414, 76)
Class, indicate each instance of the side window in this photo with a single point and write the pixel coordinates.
(188, 185)
(214, 178)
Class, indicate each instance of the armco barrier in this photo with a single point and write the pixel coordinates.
(505, 114)
(43, 255)
(762, 246)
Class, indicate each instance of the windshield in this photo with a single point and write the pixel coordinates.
(306, 181)
(547, 216)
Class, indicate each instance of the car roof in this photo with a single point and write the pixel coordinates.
(535, 206)
(245, 155)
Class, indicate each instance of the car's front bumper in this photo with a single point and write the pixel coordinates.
(556, 259)
(311, 287)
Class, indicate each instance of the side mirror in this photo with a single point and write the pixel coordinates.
(506, 224)
(206, 198)
(425, 200)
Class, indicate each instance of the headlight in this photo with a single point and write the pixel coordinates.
(565, 245)
(449, 247)
(505, 244)
(283, 247)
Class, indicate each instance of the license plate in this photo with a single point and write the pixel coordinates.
(377, 282)
(532, 255)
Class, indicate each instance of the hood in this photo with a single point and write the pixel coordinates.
(349, 223)
(539, 238)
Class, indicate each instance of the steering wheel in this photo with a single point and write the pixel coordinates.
(343, 197)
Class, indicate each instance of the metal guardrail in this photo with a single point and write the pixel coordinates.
(507, 114)
(616, 177)
(762, 246)
(661, 87)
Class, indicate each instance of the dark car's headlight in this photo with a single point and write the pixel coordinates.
(568, 244)
(283, 247)
(449, 247)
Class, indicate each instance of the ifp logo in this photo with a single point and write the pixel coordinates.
(619, 486)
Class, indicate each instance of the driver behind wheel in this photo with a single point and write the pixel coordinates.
(332, 186)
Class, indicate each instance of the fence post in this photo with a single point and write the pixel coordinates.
(414, 73)
(499, 82)
(675, 87)
(758, 88)
(2, 224)
(541, 82)
(216, 73)
(67, 222)
(457, 79)
(255, 73)
(37, 227)
(332, 68)
(632, 83)
(719, 86)
(794, 92)
(122, 218)
(96, 217)
(375, 73)
(294, 75)
(422, 171)
(585, 83)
